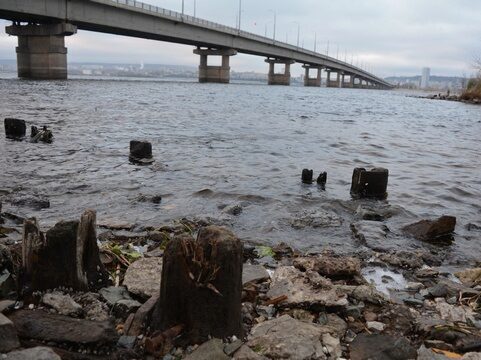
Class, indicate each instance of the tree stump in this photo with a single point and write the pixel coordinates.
(369, 184)
(67, 256)
(201, 286)
(15, 128)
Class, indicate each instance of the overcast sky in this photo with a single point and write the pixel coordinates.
(392, 37)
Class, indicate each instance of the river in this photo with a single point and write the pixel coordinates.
(245, 144)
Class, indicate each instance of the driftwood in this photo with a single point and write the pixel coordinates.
(66, 256)
(201, 286)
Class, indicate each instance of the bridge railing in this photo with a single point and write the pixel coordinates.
(159, 11)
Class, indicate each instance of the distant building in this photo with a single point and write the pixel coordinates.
(425, 78)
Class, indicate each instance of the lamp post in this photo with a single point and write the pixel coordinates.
(315, 42)
(240, 12)
(275, 22)
(182, 7)
(195, 8)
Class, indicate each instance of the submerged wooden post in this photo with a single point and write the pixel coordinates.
(201, 286)
(67, 256)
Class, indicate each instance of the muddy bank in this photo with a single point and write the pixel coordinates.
(382, 304)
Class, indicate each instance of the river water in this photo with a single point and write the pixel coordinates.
(245, 144)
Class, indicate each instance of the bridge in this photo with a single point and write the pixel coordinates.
(41, 27)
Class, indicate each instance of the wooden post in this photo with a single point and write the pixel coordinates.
(201, 286)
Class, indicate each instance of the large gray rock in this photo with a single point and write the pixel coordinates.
(303, 290)
(36, 353)
(316, 219)
(381, 347)
(437, 230)
(287, 338)
(113, 294)
(256, 273)
(142, 278)
(329, 265)
(372, 234)
(63, 304)
(8, 335)
(210, 350)
(246, 353)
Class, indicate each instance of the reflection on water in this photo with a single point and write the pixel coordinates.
(218, 145)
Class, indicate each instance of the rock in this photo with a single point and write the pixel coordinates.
(93, 308)
(368, 214)
(375, 326)
(42, 326)
(15, 128)
(307, 176)
(381, 347)
(34, 202)
(8, 335)
(315, 219)
(141, 152)
(369, 184)
(234, 209)
(364, 293)
(447, 288)
(415, 286)
(334, 267)
(332, 345)
(439, 230)
(63, 304)
(301, 291)
(453, 313)
(246, 353)
(231, 348)
(210, 350)
(112, 294)
(254, 273)
(267, 311)
(123, 308)
(470, 277)
(403, 259)
(135, 325)
(428, 354)
(127, 342)
(6, 305)
(35, 353)
(142, 278)
(7, 284)
(303, 315)
(202, 285)
(287, 338)
(371, 234)
(426, 273)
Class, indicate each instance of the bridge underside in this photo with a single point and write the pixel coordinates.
(149, 22)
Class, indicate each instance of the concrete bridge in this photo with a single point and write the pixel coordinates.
(41, 51)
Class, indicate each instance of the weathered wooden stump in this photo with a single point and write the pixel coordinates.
(307, 176)
(141, 152)
(67, 256)
(15, 128)
(322, 179)
(201, 286)
(369, 184)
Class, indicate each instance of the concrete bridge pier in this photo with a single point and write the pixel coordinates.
(281, 78)
(350, 83)
(214, 74)
(332, 83)
(312, 81)
(41, 51)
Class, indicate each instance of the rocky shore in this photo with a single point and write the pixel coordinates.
(458, 98)
(370, 305)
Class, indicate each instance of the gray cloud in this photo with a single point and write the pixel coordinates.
(391, 37)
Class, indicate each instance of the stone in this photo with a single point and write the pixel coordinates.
(334, 267)
(123, 308)
(372, 234)
(469, 277)
(254, 273)
(454, 313)
(127, 342)
(368, 214)
(232, 347)
(428, 354)
(246, 353)
(33, 202)
(93, 308)
(7, 284)
(403, 259)
(439, 230)
(307, 176)
(369, 184)
(381, 347)
(35, 353)
(143, 276)
(15, 128)
(201, 285)
(415, 286)
(42, 326)
(141, 152)
(375, 326)
(332, 345)
(287, 338)
(6, 305)
(301, 291)
(8, 335)
(315, 219)
(112, 294)
(234, 209)
(63, 304)
(210, 350)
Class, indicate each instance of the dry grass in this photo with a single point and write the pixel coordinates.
(473, 90)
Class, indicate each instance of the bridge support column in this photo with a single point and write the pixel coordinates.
(350, 83)
(341, 80)
(332, 83)
(282, 78)
(214, 74)
(41, 51)
(315, 81)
